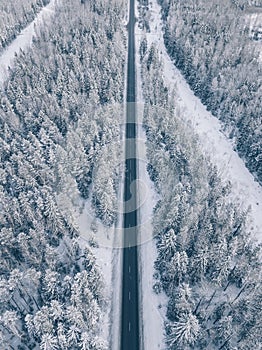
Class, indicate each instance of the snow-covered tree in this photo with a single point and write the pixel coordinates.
(49, 342)
(184, 332)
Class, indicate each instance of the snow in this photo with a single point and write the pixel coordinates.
(108, 255)
(153, 308)
(89, 227)
(246, 192)
(24, 39)
(253, 20)
(108, 259)
(117, 256)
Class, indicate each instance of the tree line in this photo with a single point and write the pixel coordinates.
(209, 42)
(15, 16)
(59, 126)
(207, 263)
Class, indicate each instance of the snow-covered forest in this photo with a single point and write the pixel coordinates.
(14, 16)
(62, 176)
(210, 43)
(207, 263)
(55, 128)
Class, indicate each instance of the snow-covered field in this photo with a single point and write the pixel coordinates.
(24, 39)
(245, 190)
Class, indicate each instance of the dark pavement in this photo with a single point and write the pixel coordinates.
(130, 297)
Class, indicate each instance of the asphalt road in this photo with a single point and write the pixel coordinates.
(130, 299)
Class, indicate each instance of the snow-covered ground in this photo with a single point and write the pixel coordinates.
(153, 306)
(253, 18)
(24, 39)
(253, 21)
(107, 253)
(245, 190)
(108, 259)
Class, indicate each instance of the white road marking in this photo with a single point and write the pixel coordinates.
(129, 295)
(129, 326)
(129, 268)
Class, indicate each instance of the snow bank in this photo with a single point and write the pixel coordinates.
(245, 190)
(109, 262)
(24, 39)
(153, 306)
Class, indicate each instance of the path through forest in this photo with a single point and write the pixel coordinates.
(24, 39)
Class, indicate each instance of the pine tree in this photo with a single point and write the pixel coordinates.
(48, 342)
(184, 332)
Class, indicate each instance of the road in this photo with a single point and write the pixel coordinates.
(130, 298)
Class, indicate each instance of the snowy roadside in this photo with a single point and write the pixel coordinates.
(117, 251)
(108, 253)
(90, 228)
(153, 308)
(108, 257)
(245, 190)
(24, 39)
